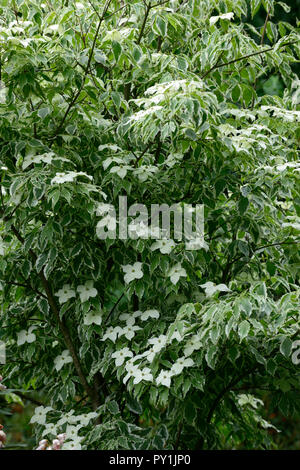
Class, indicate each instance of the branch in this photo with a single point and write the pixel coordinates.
(26, 397)
(265, 27)
(62, 326)
(238, 59)
(76, 95)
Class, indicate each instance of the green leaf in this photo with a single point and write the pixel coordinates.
(41, 260)
(286, 347)
(243, 205)
(113, 407)
(161, 26)
(244, 328)
(117, 50)
(43, 112)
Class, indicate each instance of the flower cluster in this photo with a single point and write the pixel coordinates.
(85, 291)
(66, 429)
(56, 444)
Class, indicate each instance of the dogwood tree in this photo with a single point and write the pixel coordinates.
(138, 343)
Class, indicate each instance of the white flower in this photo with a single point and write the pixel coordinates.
(144, 172)
(176, 272)
(68, 417)
(40, 414)
(196, 244)
(120, 356)
(86, 291)
(112, 333)
(72, 431)
(149, 314)
(31, 158)
(193, 344)
(149, 355)
(164, 378)
(131, 370)
(93, 317)
(86, 418)
(62, 359)
(25, 336)
(225, 16)
(65, 293)
(141, 114)
(144, 374)
(210, 288)
(50, 428)
(158, 343)
(108, 221)
(121, 170)
(68, 177)
(180, 364)
(133, 271)
(129, 331)
(72, 445)
(138, 230)
(130, 317)
(176, 335)
(164, 246)
(104, 208)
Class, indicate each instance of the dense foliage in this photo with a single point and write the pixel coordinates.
(165, 102)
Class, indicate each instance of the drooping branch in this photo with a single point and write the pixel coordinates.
(62, 326)
(238, 59)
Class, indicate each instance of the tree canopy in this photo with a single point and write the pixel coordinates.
(136, 343)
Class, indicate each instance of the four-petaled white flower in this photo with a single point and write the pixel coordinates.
(176, 272)
(165, 246)
(164, 378)
(86, 418)
(65, 293)
(138, 230)
(68, 177)
(210, 288)
(51, 428)
(112, 333)
(104, 208)
(86, 291)
(62, 359)
(177, 335)
(180, 364)
(72, 445)
(131, 371)
(40, 414)
(120, 356)
(68, 417)
(149, 314)
(132, 271)
(149, 354)
(129, 331)
(26, 336)
(226, 16)
(144, 172)
(72, 432)
(158, 343)
(130, 317)
(121, 170)
(193, 344)
(142, 374)
(109, 221)
(93, 317)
